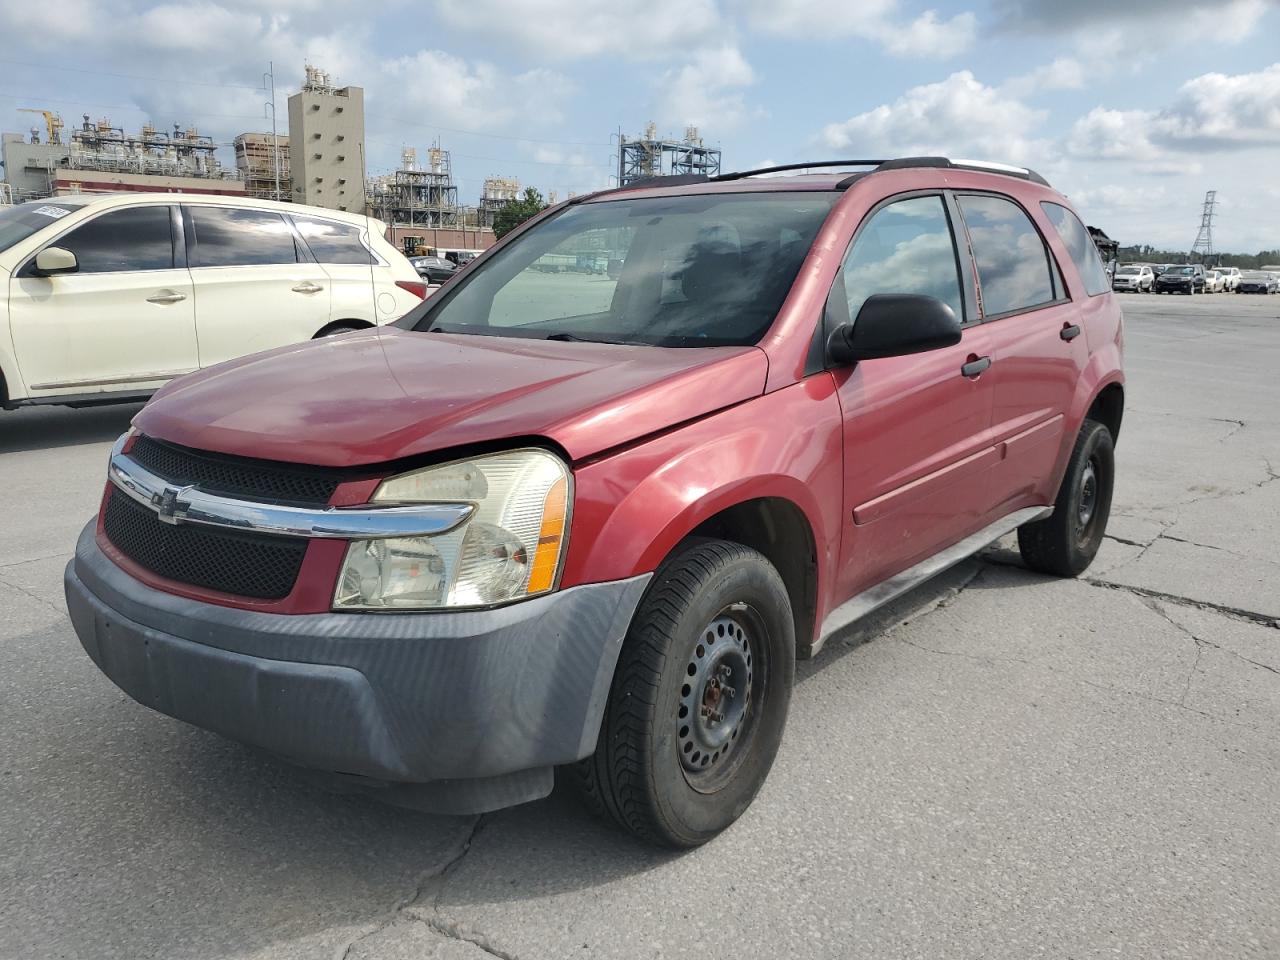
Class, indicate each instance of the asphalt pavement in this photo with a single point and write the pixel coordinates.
(1001, 765)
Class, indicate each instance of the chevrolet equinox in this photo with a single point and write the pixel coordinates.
(561, 516)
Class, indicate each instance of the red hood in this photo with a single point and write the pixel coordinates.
(377, 396)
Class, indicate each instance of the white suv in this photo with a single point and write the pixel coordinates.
(105, 298)
(1230, 278)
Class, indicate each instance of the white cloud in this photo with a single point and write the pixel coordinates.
(707, 89)
(571, 29)
(876, 20)
(474, 95)
(1211, 112)
(927, 36)
(958, 116)
(1064, 73)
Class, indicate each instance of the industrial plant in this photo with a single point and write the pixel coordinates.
(320, 161)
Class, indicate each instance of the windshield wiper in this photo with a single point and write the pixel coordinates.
(575, 338)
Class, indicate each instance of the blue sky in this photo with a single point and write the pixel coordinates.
(1133, 109)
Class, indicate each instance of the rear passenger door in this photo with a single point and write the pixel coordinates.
(917, 446)
(1038, 349)
(256, 286)
(350, 267)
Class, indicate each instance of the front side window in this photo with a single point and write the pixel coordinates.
(119, 241)
(906, 247)
(683, 271)
(1014, 271)
(233, 237)
(1080, 247)
(332, 242)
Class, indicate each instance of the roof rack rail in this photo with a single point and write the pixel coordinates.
(904, 163)
(782, 168)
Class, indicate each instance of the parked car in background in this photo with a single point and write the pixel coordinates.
(1181, 278)
(105, 298)
(1213, 282)
(434, 269)
(1257, 281)
(551, 520)
(1132, 278)
(1230, 278)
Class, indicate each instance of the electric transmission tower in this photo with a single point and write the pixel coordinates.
(1204, 239)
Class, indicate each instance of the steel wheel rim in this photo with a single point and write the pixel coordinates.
(1087, 505)
(720, 697)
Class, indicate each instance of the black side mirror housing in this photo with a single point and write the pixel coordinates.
(894, 325)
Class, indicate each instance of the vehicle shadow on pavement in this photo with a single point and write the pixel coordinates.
(43, 428)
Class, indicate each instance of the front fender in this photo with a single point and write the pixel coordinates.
(633, 507)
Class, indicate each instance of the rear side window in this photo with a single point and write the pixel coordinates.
(1014, 268)
(230, 237)
(119, 241)
(906, 247)
(332, 242)
(1080, 246)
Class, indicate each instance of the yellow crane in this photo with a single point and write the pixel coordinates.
(52, 122)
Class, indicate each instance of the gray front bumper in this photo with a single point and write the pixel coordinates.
(479, 705)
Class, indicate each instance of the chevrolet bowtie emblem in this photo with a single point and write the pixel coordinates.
(169, 505)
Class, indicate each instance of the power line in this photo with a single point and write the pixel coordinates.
(128, 76)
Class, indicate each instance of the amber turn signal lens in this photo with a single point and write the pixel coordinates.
(546, 556)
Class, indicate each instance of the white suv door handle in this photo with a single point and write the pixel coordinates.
(308, 287)
(167, 298)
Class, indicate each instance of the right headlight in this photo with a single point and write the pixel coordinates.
(510, 547)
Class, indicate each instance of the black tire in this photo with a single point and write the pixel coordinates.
(340, 329)
(1065, 543)
(649, 772)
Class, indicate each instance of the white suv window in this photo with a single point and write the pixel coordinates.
(235, 237)
(122, 241)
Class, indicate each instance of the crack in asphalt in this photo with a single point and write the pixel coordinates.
(60, 611)
(433, 880)
(1237, 613)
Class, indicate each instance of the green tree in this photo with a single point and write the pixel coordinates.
(515, 212)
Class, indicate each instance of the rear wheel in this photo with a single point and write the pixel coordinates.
(699, 698)
(1065, 543)
(338, 330)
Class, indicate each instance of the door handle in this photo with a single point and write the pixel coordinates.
(308, 287)
(1070, 331)
(167, 298)
(975, 366)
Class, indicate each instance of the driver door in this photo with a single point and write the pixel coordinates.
(918, 453)
(124, 320)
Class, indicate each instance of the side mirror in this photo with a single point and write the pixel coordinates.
(894, 325)
(55, 260)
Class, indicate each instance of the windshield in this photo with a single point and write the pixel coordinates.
(687, 271)
(18, 223)
(1180, 271)
(1127, 271)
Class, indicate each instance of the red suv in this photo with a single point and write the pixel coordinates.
(587, 505)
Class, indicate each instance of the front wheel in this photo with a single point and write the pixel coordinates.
(699, 697)
(1065, 543)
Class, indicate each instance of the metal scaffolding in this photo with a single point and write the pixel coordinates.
(497, 191)
(650, 156)
(412, 196)
(263, 162)
(99, 145)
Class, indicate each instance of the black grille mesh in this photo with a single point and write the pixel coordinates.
(235, 477)
(246, 565)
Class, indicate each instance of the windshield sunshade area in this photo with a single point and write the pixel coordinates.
(18, 223)
(687, 271)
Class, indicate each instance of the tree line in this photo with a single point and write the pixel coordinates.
(1145, 253)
